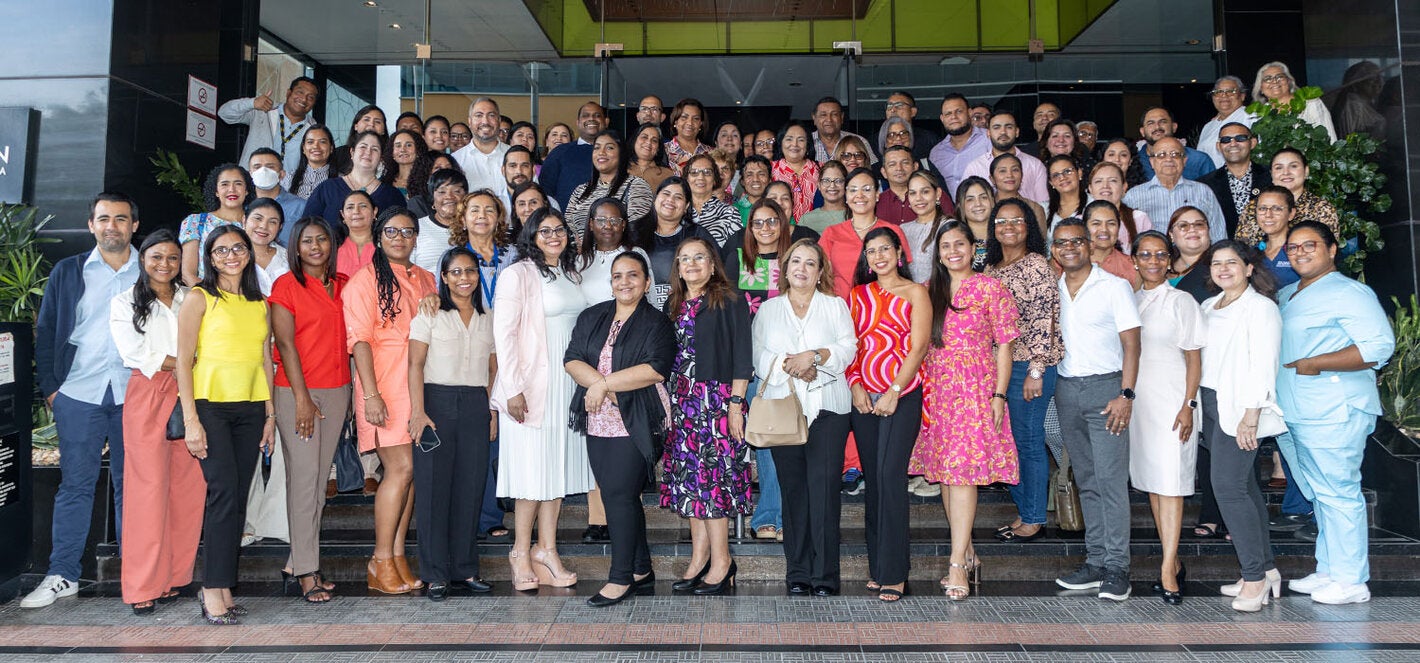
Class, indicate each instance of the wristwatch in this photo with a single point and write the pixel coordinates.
(1192, 404)
(1036, 374)
(896, 389)
(1127, 393)
(999, 395)
(737, 400)
(818, 358)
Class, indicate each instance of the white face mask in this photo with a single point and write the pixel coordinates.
(265, 178)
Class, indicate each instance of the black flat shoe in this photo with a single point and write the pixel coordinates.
(800, 588)
(437, 591)
(724, 586)
(1010, 536)
(144, 608)
(599, 601)
(645, 585)
(687, 584)
(825, 590)
(1172, 598)
(477, 585)
(596, 534)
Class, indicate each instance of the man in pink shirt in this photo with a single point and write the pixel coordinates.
(1003, 132)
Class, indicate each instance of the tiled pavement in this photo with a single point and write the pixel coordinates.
(755, 625)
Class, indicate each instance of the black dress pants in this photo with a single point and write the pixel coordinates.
(884, 445)
(449, 482)
(233, 444)
(809, 480)
(621, 473)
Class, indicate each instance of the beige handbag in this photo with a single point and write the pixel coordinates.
(776, 422)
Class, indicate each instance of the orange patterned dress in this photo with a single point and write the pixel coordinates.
(958, 445)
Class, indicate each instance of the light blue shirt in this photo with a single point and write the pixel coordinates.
(97, 365)
(1159, 202)
(292, 207)
(1331, 314)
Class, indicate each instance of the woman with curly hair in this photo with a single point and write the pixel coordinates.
(225, 194)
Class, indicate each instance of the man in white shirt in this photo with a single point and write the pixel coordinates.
(1094, 397)
(280, 128)
(482, 159)
(1003, 132)
(1230, 101)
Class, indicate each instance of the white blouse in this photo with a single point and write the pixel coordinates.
(266, 276)
(779, 333)
(145, 350)
(458, 354)
(596, 277)
(1240, 360)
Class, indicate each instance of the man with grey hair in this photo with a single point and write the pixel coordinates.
(1087, 133)
(482, 159)
(1230, 100)
(901, 104)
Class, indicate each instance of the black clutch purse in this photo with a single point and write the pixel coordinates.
(176, 429)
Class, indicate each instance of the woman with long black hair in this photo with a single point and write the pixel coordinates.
(317, 148)
(224, 381)
(609, 179)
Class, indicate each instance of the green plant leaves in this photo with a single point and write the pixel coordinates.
(23, 269)
(1399, 381)
(170, 172)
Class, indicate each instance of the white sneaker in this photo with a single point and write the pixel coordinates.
(248, 539)
(1335, 593)
(51, 588)
(1310, 583)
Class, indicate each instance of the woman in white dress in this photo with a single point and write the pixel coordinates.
(1163, 434)
(541, 460)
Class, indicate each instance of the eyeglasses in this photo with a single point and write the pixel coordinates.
(1061, 174)
(1016, 221)
(686, 260)
(1308, 246)
(838, 181)
(237, 250)
(391, 233)
(457, 272)
(1149, 256)
(898, 134)
(549, 233)
(1236, 138)
(845, 156)
(608, 221)
(1166, 155)
(699, 172)
(1272, 209)
(1223, 92)
(649, 109)
(459, 134)
(1191, 225)
(768, 142)
(1072, 242)
(1274, 78)
(895, 105)
(764, 223)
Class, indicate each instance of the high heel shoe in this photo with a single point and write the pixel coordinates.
(546, 575)
(286, 581)
(1181, 576)
(1254, 604)
(411, 580)
(527, 583)
(954, 591)
(224, 619)
(1274, 576)
(687, 584)
(725, 584)
(383, 576)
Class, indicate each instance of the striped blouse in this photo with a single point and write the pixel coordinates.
(884, 325)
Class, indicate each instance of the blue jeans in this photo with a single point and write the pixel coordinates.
(1028, 428)
(1293, 502)
(767, 510)
(83, 428)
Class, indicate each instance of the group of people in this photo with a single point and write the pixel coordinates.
(600, 317)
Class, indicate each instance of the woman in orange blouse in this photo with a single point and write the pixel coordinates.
(1102, 221)
(893, 318)
(380, 302)
(795, 165)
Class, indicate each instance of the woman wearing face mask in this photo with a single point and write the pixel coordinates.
(1006, 176)
(1290, 170)
(360, 174)
(317, 146)
(226, 192)
(831, 177)
(1107, 183)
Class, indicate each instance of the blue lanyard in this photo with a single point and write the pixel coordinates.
(488, 285)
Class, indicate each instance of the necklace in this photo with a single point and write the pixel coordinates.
(350, 179)
(862, 231)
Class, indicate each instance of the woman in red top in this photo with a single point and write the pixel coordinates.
(795, 165)
(358, 248)
(843, 241)
(312, 389)
(893, 318)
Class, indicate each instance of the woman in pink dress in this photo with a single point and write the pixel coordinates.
(966, 438)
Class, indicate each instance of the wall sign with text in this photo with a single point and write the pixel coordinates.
(19, 139)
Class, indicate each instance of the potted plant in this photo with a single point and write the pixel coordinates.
(23, 273)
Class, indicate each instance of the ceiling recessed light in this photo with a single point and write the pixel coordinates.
(1193, 42)
(371, 3)
(396, 26)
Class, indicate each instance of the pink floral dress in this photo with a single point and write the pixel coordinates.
(959, 446)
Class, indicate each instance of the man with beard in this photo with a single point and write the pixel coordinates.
(1169, 190)
(571, 164)
(1229, 100)
(83, 380)
(964, 142)
(518, 170)
(1044, 114)
(1002, 131)
(1239, 180)
(280, 128)
(482, 159)
(1157, 123)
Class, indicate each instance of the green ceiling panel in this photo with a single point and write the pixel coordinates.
(888, 26)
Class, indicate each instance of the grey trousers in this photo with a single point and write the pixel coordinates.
(1101, 463)
(306, 469)
(1239, 497)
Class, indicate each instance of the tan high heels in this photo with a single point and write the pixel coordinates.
(546, 574)
(382, 575)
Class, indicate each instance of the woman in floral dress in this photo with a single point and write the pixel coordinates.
(707, 460)
(966, 439)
